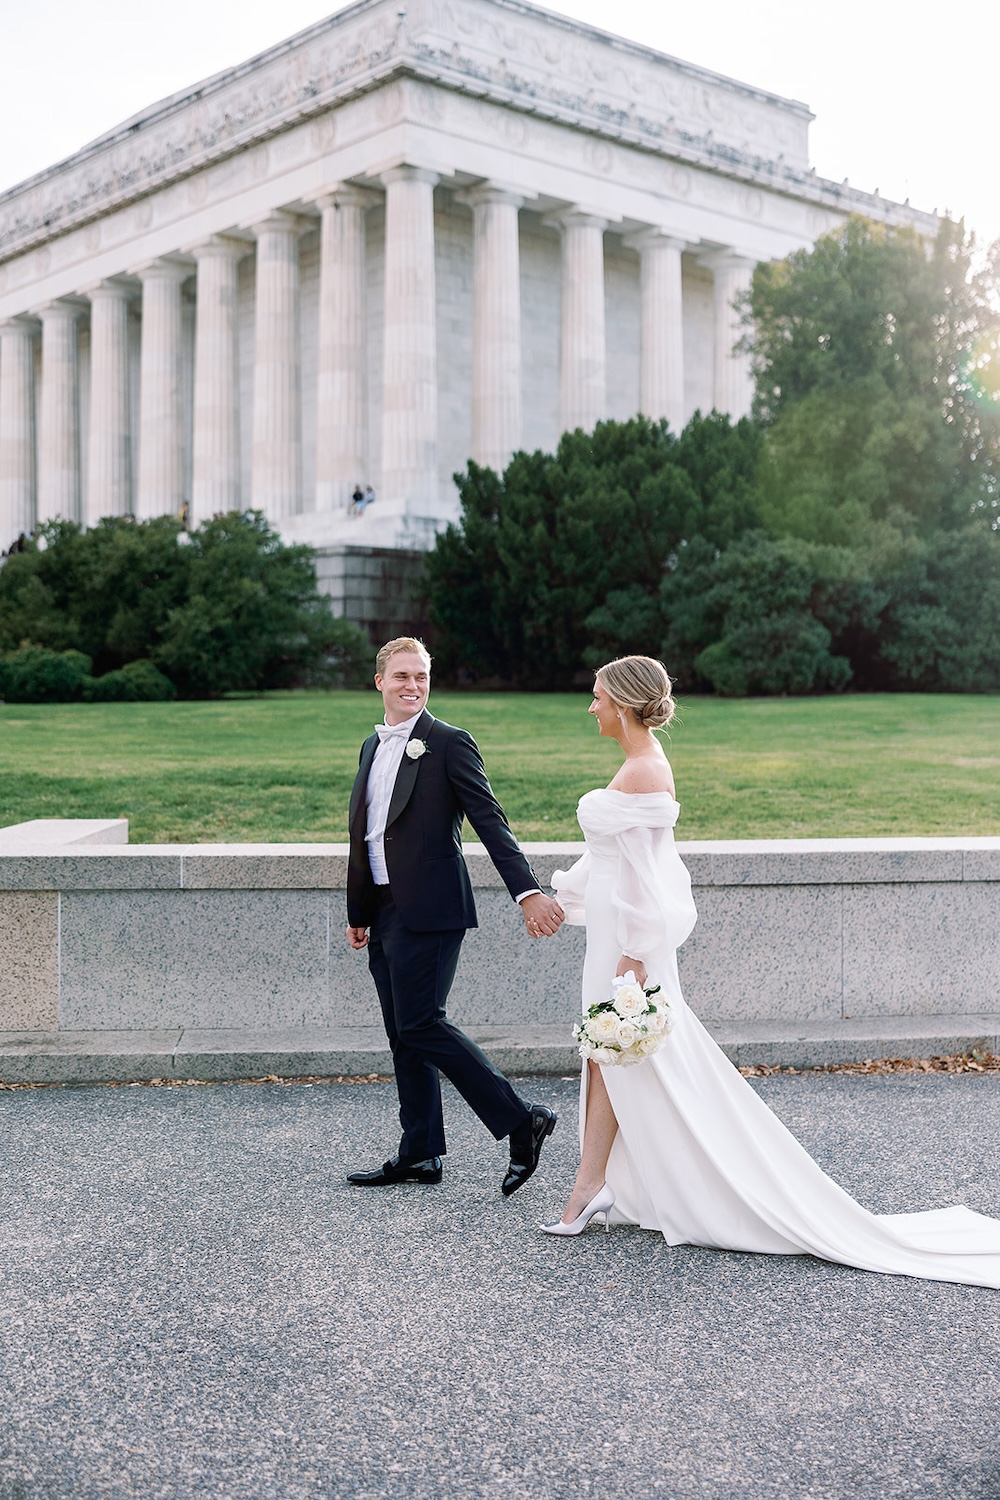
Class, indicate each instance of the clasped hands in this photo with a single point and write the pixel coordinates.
(543, 916)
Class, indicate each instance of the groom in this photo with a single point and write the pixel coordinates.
(409, 902)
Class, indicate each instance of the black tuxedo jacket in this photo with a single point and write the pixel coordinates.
(428, 878)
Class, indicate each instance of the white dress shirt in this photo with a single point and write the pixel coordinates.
(392, 740)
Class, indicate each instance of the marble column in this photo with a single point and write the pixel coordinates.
(215, 480)
(583, 349)
(17, 389)
(661, 358)
(160, 489)
(59, 415)
(341, 429)
(733, 386)
(496, 333)
(276, 485)
(409, 372)
(109, 455)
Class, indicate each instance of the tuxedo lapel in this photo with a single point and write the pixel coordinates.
(357, 814)
(406, 776)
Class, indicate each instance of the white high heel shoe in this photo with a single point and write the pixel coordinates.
(602, 1202)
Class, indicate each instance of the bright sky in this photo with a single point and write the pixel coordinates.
(904, 93)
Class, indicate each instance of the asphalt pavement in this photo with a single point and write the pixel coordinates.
(193, 1302)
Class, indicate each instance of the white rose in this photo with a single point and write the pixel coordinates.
(627, 1035)
(603, 1056)
(416, 748)
(656, 1023)
(603, 1028)
(649, 1044)
(630, 1001)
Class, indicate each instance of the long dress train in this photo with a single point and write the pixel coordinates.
(698, 1155)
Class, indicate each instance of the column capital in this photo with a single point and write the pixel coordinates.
(221, 247)
(406, 173)
(345, 195)
(19, 323)
(652, 238)
(492, 192)
(64, 308)
(727, 260)
(280, 221)
(168, 268)
(112, 289)
(575, 218)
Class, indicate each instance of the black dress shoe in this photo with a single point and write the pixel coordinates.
(394, 1170)
(526, 1143)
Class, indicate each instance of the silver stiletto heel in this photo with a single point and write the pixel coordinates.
(602, 1202)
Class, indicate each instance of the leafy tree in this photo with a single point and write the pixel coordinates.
(764, 616)
(939, 627)
(228, 607)
(872, 357)
(780, 615)
(105, 591)
(539, 548)
(251, 617)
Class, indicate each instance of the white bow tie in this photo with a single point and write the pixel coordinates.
(387, 731)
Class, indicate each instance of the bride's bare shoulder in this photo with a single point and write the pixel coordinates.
(644, 774)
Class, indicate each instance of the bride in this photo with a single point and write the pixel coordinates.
(681, 1143)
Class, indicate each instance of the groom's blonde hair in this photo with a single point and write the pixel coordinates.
(401, 643)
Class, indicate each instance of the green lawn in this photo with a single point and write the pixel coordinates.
(278, 768)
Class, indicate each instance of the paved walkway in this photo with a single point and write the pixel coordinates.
(193, 1303)
(331, 1051)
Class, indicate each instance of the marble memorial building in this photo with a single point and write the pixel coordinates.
(404, 237)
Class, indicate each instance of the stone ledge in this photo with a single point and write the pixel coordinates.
(59, 833)
(135, 1056)
(750, 862)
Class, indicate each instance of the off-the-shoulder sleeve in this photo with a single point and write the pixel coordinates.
(570, 887)
(652, 898)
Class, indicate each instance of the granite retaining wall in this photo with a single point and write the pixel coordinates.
(194, 943)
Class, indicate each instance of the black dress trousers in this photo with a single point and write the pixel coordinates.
(413, 973)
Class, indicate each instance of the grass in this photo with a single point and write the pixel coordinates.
(279, 767)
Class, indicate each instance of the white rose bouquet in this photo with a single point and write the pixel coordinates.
(626, 1027)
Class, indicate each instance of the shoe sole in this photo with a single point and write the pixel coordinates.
(397, 1182)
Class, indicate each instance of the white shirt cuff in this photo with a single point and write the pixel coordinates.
(525, 894)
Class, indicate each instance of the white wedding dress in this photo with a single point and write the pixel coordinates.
(698, 1155)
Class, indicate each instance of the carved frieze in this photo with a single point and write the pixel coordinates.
(534, 62)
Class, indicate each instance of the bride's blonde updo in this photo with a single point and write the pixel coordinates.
(639, 684)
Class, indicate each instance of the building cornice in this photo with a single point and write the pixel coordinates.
(505, 51)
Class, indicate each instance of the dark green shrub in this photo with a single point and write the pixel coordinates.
(36, 675)
(227, 607)
(136, 682)
(757, 618)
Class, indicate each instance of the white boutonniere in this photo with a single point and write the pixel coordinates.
(416, 748)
